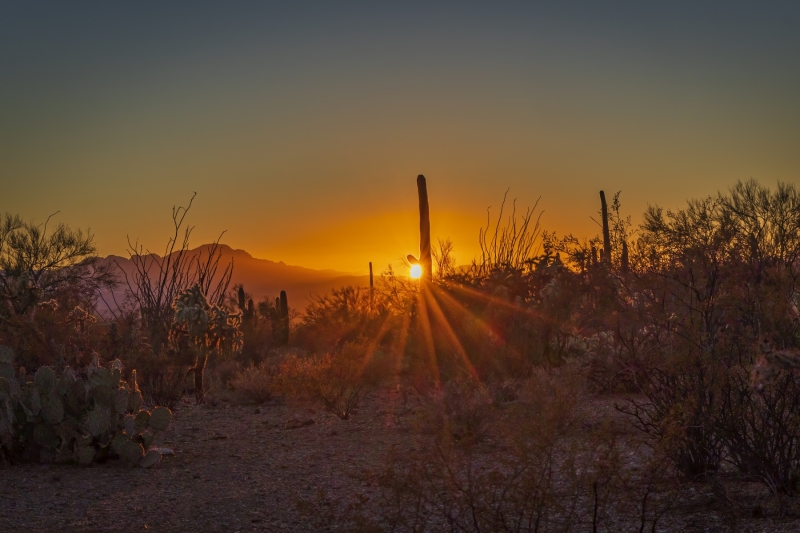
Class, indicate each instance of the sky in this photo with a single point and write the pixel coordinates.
(302, 126)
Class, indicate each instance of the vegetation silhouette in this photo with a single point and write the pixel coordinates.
(554, 384)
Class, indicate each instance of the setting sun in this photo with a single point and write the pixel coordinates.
(538, 263)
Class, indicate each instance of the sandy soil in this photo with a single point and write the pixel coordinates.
(235, 468)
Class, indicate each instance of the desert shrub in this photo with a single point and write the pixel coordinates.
(163, 381)
(343, 315)
(505, 391)
(545, 472)
(257, 383)
(224, 372)
(681, 412)
(761, 431)
(49, 282)
(463, 408)
(338, 380)
(80, 417)
(708, 282)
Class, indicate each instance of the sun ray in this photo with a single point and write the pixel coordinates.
(440, 316)
(489, 299)
(375, 342)
(454, 305)
(424, 327)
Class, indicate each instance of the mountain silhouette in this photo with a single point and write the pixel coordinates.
(260, 277)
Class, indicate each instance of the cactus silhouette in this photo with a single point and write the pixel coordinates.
(371, 285)
(79, 417)
(424, 230)
(606, 235)
(206, 325)
(624, 258)
(241, 298)
(283, 312)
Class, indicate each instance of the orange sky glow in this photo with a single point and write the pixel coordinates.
(303, 130)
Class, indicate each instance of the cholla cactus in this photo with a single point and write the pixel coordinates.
(80, 317)
(191, 312)
(207, 326)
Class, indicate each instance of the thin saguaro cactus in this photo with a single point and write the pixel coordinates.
(284, 320)
(425, 260)
(606, 234)
(371, 285)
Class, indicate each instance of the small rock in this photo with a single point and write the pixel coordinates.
(295, 423)
(257, 411)
(164, 451)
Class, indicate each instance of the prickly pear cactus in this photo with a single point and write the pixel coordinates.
(76, 417)
(6, 358)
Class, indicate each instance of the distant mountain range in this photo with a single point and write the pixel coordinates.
(262, 277)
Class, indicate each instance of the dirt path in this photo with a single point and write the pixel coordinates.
(235, 468)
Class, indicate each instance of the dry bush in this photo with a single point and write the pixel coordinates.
(257, 383)
(462, 408)
(505, 391)
(225, 371)
(338, 380)
(710, 280)
(163, 382)
(344, 315)
(544, 471)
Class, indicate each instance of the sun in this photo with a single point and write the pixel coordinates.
(416, 271)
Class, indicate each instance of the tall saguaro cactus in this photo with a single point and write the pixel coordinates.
(424, 230)
(371, 285)
(624, 263)
(284, 312)
(240, 294)
(606, 235)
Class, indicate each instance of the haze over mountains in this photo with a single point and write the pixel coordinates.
(262, 277)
